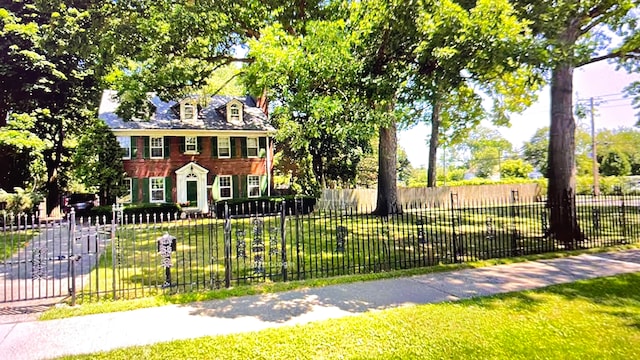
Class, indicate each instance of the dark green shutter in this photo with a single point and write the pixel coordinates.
(236, 186)
(214, 147)
(135, 197)
(244, 191)
(168, 189)
(243, 142)
(181, 145)
(215, 188)
(199, 142)
(145, 148)
(262, 146)
(232, 143)
(134, 147)
(264, 183)
(145, 190)
(167, 147)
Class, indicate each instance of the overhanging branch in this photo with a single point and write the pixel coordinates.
(635, 54)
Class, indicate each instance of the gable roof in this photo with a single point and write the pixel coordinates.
(211, 117)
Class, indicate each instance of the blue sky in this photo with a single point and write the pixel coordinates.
(594, 80)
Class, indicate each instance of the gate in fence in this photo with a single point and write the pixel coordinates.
(48, 259)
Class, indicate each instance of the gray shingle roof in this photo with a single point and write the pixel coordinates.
(212, 117)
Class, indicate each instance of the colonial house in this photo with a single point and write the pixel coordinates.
(193, 150)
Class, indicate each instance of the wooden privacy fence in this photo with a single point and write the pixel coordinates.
(439, 196)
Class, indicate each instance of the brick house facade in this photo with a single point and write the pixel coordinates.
(193, 151)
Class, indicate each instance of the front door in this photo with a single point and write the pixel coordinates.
(192, 193)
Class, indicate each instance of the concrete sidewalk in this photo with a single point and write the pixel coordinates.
(46, 339)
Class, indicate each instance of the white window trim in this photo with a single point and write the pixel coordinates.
(129, 196)
(195, 145)
(220, 187)
(151, 189)
(151, 147)
(235, 118)
(257, 147)
(127, 156)
(229, 147)
(249, 186)
(183, 111)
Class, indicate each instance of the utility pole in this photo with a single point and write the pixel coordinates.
(594, 156)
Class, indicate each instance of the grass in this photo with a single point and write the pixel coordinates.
(372, 244)
(591, 319)
(107, 306)
(11, 242)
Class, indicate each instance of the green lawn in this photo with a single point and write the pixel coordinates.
(591, 319)
(371, 244)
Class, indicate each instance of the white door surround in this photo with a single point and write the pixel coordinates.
(191, 172)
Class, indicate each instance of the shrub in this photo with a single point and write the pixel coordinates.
(138, 209)
(22, 201)
(265, 205)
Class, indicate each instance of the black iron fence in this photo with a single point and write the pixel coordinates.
(135, 256)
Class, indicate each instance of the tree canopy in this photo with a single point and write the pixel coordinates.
(571, 34)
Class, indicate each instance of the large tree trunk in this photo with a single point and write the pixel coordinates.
(562, 165)
(387, 184)
(433, 144)
(53, 160)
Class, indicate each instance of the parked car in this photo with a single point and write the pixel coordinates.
(80, 203)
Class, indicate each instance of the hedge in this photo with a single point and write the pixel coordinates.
(138, 209)
(265, 205)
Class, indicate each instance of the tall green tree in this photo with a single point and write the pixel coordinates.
(536, 150)
(173, 47)
(98, 162)
(308, 79)
(387, 40)
(615, 164)
(624, 141)
(47, 75)
(575, 33)
(468, 50)
(487, 148)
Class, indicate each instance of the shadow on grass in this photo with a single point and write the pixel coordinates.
(617, 296)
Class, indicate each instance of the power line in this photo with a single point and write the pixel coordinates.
(605, 95)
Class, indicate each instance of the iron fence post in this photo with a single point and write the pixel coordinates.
(227, 246)
(113, 251)
(623, 220)
(295, 211)
(514, 228)
(454, 201)
(70, 264)
(283, 233)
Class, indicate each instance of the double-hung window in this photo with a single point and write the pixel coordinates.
(224, 147)
(191, 145)
(157, 147)
(125, 145)
(253, 185)
(225, 187)
(156, 185)
(252, 147)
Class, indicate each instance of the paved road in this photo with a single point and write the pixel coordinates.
(20, 339)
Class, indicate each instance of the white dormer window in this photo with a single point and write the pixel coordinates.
(189, 111)
(234, 112)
